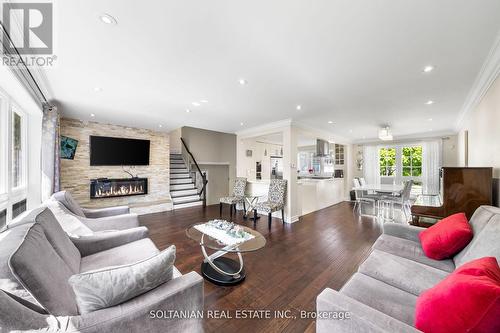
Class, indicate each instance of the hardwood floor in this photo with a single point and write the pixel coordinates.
(299, 260)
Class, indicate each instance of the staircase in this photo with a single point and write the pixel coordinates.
(182, 185)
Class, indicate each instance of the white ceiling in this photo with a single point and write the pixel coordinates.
(357, 63)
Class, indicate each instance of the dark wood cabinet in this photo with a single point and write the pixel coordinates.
(462, 190)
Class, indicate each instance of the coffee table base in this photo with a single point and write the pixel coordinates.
(227, 265)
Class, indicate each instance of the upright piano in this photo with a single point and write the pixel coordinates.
(461, 190)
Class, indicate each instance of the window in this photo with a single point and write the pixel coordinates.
(18, 155)
(387, 161)
(4, 138)
(411, 159)
(339, 154)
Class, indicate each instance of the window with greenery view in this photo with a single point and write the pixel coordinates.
(411, 158)
(387, 161)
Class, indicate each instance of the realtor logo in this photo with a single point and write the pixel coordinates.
(29, 26)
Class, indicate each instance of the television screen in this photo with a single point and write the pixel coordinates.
(118, 151)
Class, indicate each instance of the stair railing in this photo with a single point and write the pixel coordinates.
(190, 160)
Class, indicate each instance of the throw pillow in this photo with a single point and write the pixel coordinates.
(447, 237)
(468, 300)
(111, 286)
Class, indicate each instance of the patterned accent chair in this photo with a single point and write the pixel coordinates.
(275, 200)
(238, 196)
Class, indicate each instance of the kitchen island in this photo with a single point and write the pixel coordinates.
(316, 193)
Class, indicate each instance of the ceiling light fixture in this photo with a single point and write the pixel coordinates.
(187, 110)
(203, 101)
(92, 115)
(385, 134)
(430, 119)
(429, 102)
(196, 104)
(97, 89)
(160, 126)
(242, 82)
(330, 122)
(298, 107)
(428, 69)
(107, 19)
(241, 124)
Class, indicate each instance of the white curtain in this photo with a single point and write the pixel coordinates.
(371, 166)
(431, 164)
(50, 152)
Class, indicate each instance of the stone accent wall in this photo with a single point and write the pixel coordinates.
(76, 174)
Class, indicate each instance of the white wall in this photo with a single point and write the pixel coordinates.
(483, 125)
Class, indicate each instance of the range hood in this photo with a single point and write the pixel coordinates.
(322, 148)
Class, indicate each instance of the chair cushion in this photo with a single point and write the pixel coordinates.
(387, 299)
(468, 300)
(484, 243)
(410, 250)
(268, 206)
(447, 237)
(10, 240)
(111, 286)
(67, 200)
(402, 273)
(40, 269)
(61, 243)
(231, 200)
(120, 255)
(70, 222)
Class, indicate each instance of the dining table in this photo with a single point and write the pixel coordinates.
(381, 188)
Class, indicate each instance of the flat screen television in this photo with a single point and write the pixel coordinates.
(118, 151)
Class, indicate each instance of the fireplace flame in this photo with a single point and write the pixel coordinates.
(118, 190)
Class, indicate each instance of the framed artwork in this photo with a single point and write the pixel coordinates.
(68, 147)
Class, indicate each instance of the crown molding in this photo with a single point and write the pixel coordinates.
(488, 74)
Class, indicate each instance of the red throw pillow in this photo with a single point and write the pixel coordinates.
(467, 300)
(447, 237)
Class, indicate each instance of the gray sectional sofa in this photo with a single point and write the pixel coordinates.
(381, 296)
(46, 255)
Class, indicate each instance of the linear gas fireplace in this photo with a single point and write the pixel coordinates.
(110, 188)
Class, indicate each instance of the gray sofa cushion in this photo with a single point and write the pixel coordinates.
(402, 273)
(67, 200)
(486, 228)
(70, 222)
(110, 286)
(484, 244)
(59, 240)
(387, 299)
(410, 250)
(39, 268)
(10, 240)
(121, 255)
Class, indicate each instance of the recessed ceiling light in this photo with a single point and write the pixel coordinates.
(196, 104)
(241, 124)
(330, 122)
(350, 131)
(187, 110)
(160, 126)
(298, 107)
(428, 69)
(107, 19)
(429, 102)
(92, 115)
(430, 119)
(97, 89)
(430, 130)
(203, 101)
(242, 82)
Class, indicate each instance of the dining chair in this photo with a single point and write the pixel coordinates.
(238, 196)
(403, 200)
(362, 196)
(362, 181)
(275, 201)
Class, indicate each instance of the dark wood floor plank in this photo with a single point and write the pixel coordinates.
(322, 250)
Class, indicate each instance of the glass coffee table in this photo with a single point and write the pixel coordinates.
(222, 270)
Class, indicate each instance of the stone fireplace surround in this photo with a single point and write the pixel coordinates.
(76, 175)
